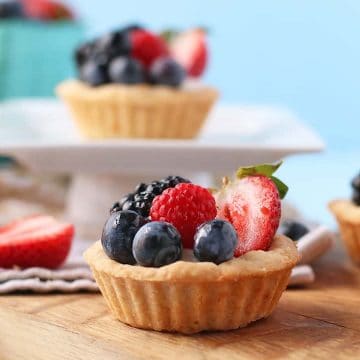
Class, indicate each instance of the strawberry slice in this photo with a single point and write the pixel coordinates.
(35, 241)
(147, 46)
(47, 10)
(252, 204)
(190, 50)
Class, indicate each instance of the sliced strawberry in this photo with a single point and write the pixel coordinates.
(252, 203)
(147, 47)
(47, 10)
(190, 50)
(35, 241)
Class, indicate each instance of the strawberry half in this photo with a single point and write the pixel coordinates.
(252, 204)
(35, 241)
(190, 50)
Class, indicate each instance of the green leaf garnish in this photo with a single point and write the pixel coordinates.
(169, 34)
(263, 169)
(266, 170)
(282, 188)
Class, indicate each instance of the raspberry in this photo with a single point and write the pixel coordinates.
(186, 206)
(147, 47)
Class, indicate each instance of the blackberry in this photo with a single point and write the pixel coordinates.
(172, 181)
(141, 199)
(120, 204)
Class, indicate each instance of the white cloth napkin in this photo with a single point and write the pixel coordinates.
(75, 276)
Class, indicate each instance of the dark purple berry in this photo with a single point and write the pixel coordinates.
(166, 71)
(113, 44)
(118, 235)
(93, 73)
(215, 241)
(125, 70)
(156, 244)
(293, 229)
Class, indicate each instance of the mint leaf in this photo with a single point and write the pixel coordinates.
(263, 169)
(282, 188)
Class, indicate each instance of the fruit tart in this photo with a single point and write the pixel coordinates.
(175, 256)
(347, 214)
(133, 84)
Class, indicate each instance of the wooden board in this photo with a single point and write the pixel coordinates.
(318, 322)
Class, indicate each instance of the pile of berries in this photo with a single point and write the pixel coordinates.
(355, 184)
(134, 55)
(152, 225)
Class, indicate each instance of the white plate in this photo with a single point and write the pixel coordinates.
(40, 134)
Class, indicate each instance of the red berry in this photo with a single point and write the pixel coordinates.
(252, 204)
(190, 50)
(147, 47)
(47, 10)
(35, 241)
(186, 206)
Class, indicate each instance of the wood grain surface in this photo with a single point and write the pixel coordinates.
(321, 321)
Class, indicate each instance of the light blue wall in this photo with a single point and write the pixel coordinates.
(303, 54)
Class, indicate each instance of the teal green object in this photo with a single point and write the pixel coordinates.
(36, 56)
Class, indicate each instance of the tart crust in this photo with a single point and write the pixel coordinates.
(190, 297)
(137, 111)
(347, 215)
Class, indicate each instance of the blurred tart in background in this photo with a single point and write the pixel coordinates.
(135, 84)
(347, 214)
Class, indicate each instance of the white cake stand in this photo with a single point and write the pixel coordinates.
(40, 135)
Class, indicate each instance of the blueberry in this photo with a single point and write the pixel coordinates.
(293, 229)
(356, 183)
(93, 73)
(118, 235)
(156, 244)
(356, 197)
(166, 71)
(215, 241)
(126, 70)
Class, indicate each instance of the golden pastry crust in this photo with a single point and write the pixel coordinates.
(346, 210)
(189, 297)
(137, 111)
(347, 215)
